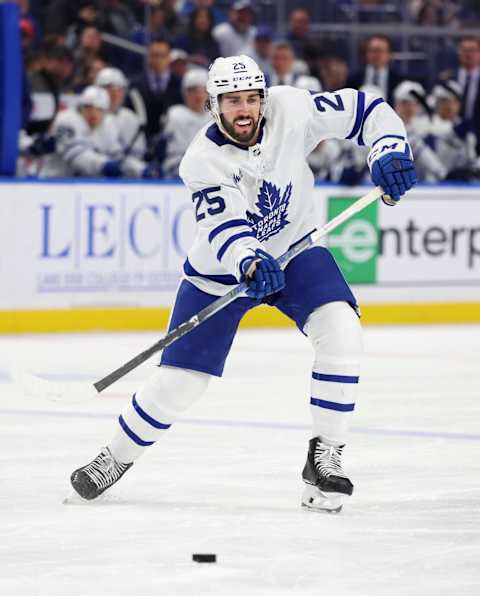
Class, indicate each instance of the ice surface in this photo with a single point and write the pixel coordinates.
(227, 479)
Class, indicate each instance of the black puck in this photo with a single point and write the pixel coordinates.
(204, 557)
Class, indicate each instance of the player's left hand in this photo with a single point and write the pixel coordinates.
(395, 173)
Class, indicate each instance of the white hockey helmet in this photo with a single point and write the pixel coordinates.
(96, 97)
(309, 83)
(235, 73)
(196, 77)
(408, 91)
(111, 76)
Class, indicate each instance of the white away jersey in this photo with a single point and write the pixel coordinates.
(261, 196)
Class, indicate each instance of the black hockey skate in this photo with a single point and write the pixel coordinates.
(92, 480)
(326, 482)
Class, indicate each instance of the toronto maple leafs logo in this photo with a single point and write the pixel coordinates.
(273, 208)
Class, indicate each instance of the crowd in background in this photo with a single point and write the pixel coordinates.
(95, 107)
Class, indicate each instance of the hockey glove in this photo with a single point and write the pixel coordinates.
(262, 274)
(112, 169)
(393, 169)
(149, 172)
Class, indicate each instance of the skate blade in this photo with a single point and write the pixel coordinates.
(314, 500)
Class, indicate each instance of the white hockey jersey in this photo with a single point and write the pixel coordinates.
(81, 151)
(181, 125)
(128, 124)
(261, 196)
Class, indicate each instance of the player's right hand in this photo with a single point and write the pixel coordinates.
(263, 275)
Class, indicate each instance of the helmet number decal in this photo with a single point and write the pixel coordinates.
(216, 203)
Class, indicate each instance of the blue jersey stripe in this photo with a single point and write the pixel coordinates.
(331, 405)
(334, 378)
(135, 438)
(147, 417)
(231, 240)
(227, 280)
(233, 223)
(359, 115)
(388, 137)
(368, 111)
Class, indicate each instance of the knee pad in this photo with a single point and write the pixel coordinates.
(335, 333)
(172, 390)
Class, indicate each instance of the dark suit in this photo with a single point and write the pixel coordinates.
(357, 79)
(474, 121)
(157, 102)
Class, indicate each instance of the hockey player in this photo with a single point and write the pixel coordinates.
(184, 121)
(252, 193)
(87, 142)
(127, 122)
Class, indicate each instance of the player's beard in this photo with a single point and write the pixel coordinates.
(243, 138)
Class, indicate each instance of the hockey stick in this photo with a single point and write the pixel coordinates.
(214, 307)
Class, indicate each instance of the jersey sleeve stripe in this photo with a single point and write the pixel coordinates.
(231, 240)
(388, 137)
(227, 280)
(359, 115)
(233, 223)
(368, 111)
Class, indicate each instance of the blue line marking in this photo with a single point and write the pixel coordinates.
(420, 434)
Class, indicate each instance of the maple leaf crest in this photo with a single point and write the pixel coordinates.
(273, 208)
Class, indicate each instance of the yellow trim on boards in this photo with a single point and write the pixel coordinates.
(150, 319)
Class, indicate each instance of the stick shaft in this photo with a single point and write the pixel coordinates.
(224, 301)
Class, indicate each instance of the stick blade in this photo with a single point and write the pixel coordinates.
(64, 392)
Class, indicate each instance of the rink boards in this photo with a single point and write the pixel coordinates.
(81, 255)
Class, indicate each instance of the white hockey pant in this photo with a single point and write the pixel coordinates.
(335, 333)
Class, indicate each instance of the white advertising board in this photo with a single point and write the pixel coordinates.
(81, 244)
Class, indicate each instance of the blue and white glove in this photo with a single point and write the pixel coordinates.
(392, 168)
(262, 274)
(112, 169)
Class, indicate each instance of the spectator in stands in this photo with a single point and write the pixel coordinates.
(299, 31)
(184, 121)
(262, 50)
(143, 35)
(283, 64)
(118, 18)
(179, 62)
(157, 85)
(190, 5)
(378, 68)
(87, 142)
(86, 16)
(46, 85)
(128, 124)
(236, 36)
(60, 14)
(468, 77)
(452, 138)
(410, 104)
(93, 69)
(198, 41)
(90, 48)
(333, 71)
